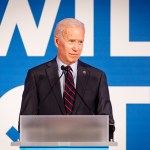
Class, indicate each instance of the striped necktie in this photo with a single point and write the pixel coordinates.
(69, 92)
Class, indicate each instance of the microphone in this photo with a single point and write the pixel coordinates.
(44, 100)
(63, 68)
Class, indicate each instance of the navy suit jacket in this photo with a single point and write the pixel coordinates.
(42, 94)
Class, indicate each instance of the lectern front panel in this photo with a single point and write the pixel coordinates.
(68, 128)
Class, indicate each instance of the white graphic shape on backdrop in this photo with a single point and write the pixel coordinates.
(81, 14)
(31, 34)
(120, 44)
(10, 104)
(120, 96)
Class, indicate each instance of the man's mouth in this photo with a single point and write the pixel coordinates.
(73, 54)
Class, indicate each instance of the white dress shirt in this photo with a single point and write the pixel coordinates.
(62, 79)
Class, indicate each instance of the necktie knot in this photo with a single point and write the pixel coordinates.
(69, 71)
(69, 68)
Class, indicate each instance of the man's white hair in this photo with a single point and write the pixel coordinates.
(65, 23)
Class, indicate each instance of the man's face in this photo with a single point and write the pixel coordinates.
(70, 45)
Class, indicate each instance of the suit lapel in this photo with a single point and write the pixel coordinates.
(82, 78)
(52, 73)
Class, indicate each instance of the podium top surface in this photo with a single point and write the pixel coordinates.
(64, 144)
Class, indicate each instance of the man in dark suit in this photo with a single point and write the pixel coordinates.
(45, 84)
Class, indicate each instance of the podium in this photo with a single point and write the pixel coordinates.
(65, 132)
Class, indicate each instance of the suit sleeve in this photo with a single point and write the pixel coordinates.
(30, 96)
(29, 105)
(104, 103)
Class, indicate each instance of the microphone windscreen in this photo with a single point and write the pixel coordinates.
(63, 67)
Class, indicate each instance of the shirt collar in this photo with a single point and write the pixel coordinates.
(60, 63)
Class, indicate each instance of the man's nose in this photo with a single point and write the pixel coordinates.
(76, 46)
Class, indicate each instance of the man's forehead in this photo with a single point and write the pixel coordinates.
(68, 31)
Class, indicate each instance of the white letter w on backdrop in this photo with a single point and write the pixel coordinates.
(18, 13)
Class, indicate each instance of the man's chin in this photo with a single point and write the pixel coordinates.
(73, 61)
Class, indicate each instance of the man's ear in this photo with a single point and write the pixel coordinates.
(56, 40)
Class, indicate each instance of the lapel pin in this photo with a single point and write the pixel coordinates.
(84, 72)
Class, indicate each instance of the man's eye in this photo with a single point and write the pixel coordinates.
(81, 42)
(71, 41)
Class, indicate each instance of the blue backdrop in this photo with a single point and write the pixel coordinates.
(121, 71)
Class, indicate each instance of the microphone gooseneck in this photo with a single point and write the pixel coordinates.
(44, 100)
(64, 69)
